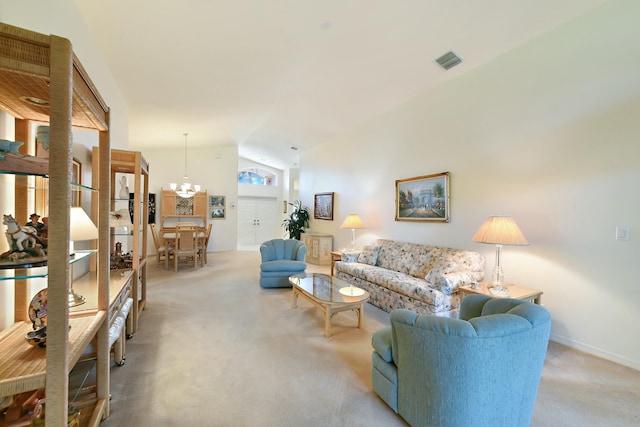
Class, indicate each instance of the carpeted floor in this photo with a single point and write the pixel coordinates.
(214, 349)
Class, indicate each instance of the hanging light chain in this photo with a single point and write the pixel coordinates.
(186, 175)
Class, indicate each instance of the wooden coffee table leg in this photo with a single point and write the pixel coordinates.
(294, 299)
(327, 322)
(360, 314)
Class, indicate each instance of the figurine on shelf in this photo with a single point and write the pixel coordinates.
(7, 146)
(34, 221)
(124, 189)
(17, 235)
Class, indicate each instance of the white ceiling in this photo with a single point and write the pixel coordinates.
(267, 75)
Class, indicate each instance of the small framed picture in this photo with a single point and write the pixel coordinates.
(323, 206)
(217, 207)
(423, 198)
(217, 201)
(217, 213)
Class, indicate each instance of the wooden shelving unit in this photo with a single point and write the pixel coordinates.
(41, 80)
(133, 166)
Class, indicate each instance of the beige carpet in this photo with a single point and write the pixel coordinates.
(214, 349)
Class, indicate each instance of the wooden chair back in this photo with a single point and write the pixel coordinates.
(186, 244)
(161, 247)
(205, 243)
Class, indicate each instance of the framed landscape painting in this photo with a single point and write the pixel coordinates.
(423, 198)
(323, 206)
(217, 208)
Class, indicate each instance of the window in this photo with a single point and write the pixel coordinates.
(256, 176)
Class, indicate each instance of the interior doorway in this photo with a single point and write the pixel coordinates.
(256, 221)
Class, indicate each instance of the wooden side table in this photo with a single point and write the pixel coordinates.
(335, 256)
(517, 292)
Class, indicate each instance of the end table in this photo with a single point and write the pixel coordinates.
(335, 256)
(517, 292)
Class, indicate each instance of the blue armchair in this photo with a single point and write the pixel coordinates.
(482, 369)
(281, 259)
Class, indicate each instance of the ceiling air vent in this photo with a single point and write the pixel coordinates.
(449, 60)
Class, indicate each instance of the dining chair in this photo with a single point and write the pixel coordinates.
(205, 243)
(162, 248)
(186, 244)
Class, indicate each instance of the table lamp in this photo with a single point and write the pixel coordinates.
(80, 228)
(499, 231)
(352, 221)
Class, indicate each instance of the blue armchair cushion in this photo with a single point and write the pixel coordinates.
(281, 265)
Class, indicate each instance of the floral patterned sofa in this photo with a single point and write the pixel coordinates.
(417, 277)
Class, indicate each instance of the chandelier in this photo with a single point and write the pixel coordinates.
(185, 190)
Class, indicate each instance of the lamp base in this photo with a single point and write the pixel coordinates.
(75, 299)
(499, 291)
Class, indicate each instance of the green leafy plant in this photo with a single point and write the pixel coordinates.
(297, 221)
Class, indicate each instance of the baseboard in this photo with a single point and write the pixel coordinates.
(594, 351)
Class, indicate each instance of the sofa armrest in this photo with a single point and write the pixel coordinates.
(448, 283)
(381, 342)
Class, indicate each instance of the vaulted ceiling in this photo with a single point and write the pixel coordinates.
(268, 75)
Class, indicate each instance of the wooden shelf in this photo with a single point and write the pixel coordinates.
(23, 367)
(23, 164)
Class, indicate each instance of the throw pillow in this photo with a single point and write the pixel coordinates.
(348, 256)
(369, 255)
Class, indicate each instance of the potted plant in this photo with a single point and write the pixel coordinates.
(297, 221)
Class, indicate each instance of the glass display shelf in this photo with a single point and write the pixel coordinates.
(25, 165)
(37, 269)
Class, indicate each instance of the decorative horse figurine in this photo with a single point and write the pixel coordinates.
(18, 234)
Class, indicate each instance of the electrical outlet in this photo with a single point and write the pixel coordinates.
(622, 233)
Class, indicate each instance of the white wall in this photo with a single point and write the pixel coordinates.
(214, 168)
(548, 134)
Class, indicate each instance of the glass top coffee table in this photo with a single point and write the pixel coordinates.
(329, 293)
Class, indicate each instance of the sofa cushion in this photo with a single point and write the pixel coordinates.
(403, 284)
(409, 258)
(369, 255)
(443, 265)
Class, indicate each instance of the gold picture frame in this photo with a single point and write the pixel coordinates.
(423, 198)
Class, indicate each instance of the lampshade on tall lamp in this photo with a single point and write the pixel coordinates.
(352, 221)
(81, 228)
(499, 231)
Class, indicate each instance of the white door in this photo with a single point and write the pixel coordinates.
(256, 220)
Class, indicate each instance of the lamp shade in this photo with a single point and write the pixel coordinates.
(82, 228)
(352, 221)
(500, 230)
